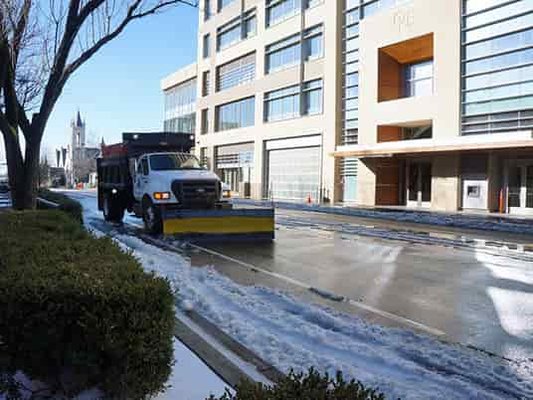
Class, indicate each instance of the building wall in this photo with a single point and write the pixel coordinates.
(326, 68)
(417, 18)
(180, 100)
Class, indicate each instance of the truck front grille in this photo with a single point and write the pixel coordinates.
(196, 194)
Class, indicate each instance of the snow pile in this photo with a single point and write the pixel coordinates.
(289, 333)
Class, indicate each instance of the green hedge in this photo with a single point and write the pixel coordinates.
(309, 386)
(79, 305)
(72, 207)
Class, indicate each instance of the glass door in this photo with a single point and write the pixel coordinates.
(419, 184)
(520, 188)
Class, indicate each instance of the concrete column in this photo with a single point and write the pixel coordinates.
(256, 188)
(495, 182)
(366, 184)
(445, 184)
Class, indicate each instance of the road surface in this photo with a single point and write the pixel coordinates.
(461, 295)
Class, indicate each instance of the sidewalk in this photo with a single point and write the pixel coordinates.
(462, 220)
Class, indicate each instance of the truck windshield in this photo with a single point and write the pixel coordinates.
(167, 162)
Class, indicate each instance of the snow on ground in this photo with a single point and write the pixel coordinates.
(292, 334)
(289, 333)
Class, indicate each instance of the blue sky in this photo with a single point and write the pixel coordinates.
(119, 88)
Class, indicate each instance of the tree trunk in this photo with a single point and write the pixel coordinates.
(22, 171)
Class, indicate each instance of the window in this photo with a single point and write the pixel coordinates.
(373, 7)
(513, 24)
(287, 52)
(312, 97)
(313, 46)
(207, 9)
(506, 60)
(280, 10)
(472, 6)
(224, 3)
(205, 121)
(180, 106)
(283, 54)
(498, 66)
(173, 161)
(238, 114)
(289, 102)
(236, 72)
(236, 30)
(206, 83)
(206, 43)
(282, 104)
(418, 79)
(417, 132)
(144, 166)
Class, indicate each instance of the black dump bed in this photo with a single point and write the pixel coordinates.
(137, 144)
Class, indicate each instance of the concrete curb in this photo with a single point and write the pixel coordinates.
(486, 223)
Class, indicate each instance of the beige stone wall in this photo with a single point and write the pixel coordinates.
(419, 17)
(329, 13)
(445, 185)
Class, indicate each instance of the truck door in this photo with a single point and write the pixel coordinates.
(141, 178)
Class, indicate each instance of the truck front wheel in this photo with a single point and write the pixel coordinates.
(152, 217)
(113, 210)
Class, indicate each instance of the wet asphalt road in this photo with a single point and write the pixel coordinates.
(465, 295)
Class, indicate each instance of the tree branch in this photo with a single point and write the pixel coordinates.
(20, 30)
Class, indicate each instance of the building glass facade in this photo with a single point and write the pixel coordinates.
(180, 108)
(497, 66)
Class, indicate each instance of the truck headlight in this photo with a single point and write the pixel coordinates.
(162, 195)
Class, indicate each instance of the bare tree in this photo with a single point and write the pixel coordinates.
(42, 43)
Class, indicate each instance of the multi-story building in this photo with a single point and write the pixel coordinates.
(180, 100)
(412, 103)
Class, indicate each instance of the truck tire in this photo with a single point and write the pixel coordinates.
(152, 217)
(113, 210)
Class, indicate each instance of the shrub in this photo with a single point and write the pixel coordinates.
(73, 305)
(66, 204)
(309, 386)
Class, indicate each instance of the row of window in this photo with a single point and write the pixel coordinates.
(498, 122)
(498, 63)
(180, 100)
(500, 44)
(276, 10)
(289, 51)
(280, 55)
(293, 101)
(239, 28)
(499, 28)
(183, 124)
(281, 104)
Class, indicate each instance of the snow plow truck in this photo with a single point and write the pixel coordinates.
(155, 177)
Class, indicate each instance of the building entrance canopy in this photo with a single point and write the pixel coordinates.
(496, 141)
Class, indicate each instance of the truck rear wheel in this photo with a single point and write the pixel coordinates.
(152, 217)
(113, 210)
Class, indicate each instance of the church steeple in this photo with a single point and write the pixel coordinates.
(79, 122)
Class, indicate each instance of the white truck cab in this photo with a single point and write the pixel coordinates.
(172, 180)
(175, 179)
